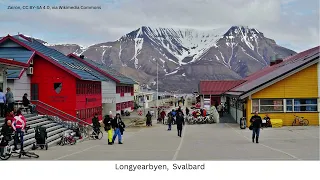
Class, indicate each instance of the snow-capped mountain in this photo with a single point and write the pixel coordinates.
(185, 56)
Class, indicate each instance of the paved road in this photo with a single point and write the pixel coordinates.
(198, 142)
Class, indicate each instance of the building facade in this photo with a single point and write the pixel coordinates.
(117, 89)
(55, 79)
(286, 89)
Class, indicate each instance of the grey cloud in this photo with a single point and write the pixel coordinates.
(122, 16)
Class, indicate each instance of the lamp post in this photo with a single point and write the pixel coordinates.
(157, 91)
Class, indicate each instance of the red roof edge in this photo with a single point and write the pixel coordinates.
(14, 63)
(232, 84)
(21, 72)
(92, 66)
(40, 54)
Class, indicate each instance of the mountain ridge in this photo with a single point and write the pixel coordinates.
(185, 56)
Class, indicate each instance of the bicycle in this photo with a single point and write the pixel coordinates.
(96, 133)
(68, 139)
(9, 151)
(300, 121)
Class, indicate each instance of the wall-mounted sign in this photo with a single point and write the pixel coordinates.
(91, 100)
(109, 100)
(57, 87)
(58, 98)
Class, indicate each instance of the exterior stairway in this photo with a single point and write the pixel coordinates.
(54, 130)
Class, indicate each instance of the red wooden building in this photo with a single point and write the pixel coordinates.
(212, 92)
(60, 81)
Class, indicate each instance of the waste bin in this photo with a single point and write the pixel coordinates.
(243, 121)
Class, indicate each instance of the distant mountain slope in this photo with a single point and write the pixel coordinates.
(185, 56)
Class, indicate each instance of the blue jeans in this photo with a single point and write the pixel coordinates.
(255, 132)
(115, 134)
(169, 126)
(18, 133)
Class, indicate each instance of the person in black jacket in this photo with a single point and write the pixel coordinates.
(180, 123)
(118, 126)
(149, 119)
(187, 111)
(6, 132)
(107, 126)
(96, 125)
(256, 122)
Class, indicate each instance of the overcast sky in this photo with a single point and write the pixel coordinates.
(291, 23)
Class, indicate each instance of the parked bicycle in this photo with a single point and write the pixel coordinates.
(96, 134)
(300, 121)
(9, 151)
(68, 138)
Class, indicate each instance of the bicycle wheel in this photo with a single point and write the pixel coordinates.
(31, 155)
(100, 135)
(5, 157)
(305, 122)
(15, 154)
(72, 141)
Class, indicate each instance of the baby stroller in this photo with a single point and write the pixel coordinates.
(41, 138)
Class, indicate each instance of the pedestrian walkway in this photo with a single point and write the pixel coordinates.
(198, 142)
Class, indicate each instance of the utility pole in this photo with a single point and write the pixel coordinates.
(157, 90)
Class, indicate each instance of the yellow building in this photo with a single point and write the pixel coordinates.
(286, 88)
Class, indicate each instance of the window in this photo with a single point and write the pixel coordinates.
(267, 105)
(300, 105)
(34, 92)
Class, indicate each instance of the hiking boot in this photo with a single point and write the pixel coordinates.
(110, 143)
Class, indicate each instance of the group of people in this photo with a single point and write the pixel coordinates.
(15, 123)
(113, 126)
(7, 102)
(176, 117)
(202, 112)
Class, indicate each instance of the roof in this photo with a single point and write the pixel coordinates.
(71, 66)
(270, 73)
(14, 73)
(107, 71)
(217, 87)
(13, 64)
(16, 54)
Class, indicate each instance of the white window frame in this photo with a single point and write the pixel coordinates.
(293, 105)
(259, 105)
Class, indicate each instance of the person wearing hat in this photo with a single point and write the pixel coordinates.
(107, 126)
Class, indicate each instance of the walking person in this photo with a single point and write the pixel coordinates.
(149, 119)
(256, 123)
(118, 127)
(107, 126)
(169, 121)
(96, 125)
(180, 123)
(2, 103)
(10, 100)
(162, 115)
(187, 111)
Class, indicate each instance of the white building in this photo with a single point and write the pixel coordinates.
(117, 93)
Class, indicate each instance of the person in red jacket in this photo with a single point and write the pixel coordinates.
(18, 125)
(163, 115)
(204, 112)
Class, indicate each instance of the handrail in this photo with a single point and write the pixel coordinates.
(37, 102)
